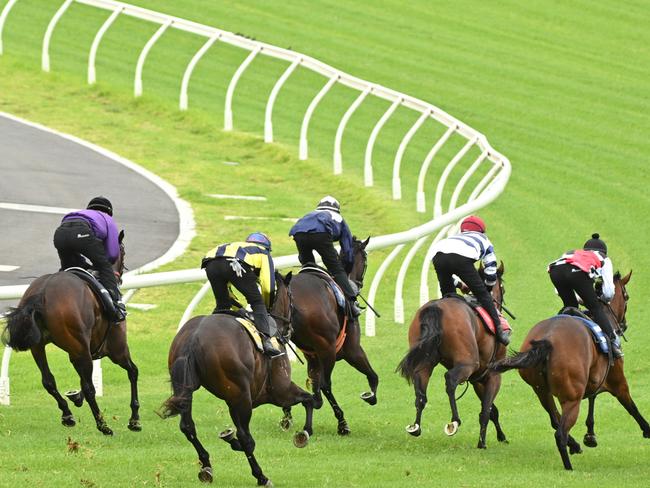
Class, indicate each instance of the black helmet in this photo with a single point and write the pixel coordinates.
(595, 244)
(102, 204)
(329, 203)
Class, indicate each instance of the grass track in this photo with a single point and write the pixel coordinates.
(561, 89)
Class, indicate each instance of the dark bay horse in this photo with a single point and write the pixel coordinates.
(448, 332)
(559, 359)
(318, 323)
(215, 352)
(61, 308)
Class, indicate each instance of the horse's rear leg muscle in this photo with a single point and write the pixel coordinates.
(49, 383)
(84, 367)
(547, 401)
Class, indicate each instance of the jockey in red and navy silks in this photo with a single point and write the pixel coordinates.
(317, 231)
(576, 272)
(92, 234)
(457, 254)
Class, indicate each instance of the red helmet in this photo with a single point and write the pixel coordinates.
(472, 223)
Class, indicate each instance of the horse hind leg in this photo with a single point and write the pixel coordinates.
(453, 378)
(547, 401)
(84, 367)
(241, 415)
(188, 428)
(487, 392)
(49, 383)
(590, 437)
(420, 384)
(570, 410)
(326, 385)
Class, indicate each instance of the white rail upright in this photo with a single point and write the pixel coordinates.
(137, 82)
(92, 75)
(268, 112)
(303, 150)
(338, 153)
(368, 178)
(185, 83)
(397, 183)
(3, 17)
(227, 117)
(45, 55)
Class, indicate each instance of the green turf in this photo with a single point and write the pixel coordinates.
(560, 88)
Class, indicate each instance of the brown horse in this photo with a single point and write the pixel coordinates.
(447, 331)
(559, 359)
(318, 326)
(215, 352)
(61, 308)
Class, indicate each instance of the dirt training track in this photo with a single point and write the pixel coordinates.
(40, 168)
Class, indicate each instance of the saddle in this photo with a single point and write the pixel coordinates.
(597, 334)
(100, 292)
(313, 268)
(247, 323)
(481, 313)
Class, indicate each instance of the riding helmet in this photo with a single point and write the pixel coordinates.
(329, 203)
(595, 244)
(472, 223)
(259, 238)
(102, 204)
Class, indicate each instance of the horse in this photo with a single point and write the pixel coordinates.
(62, 309)
(214, 351)
(559, 359)
(325, 334)
(448, 332)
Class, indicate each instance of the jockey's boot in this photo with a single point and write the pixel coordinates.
(502, 336)
(616, 347)
(120, 309)
(268, 347)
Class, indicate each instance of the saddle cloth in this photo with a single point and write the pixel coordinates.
(255, 335)
(484, 316)
(597, 333)
(336, 289)
(100, 292)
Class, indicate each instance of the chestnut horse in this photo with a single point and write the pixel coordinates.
(214, 351)
(61, 308)
(448, 332)
(318, 323)
(559, 359)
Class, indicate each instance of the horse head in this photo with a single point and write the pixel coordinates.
(282, 307)
(359, 261)
(618, 305)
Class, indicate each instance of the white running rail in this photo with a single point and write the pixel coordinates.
(491, 185)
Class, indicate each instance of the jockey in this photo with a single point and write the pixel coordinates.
(457, 254)
(576, 272)
(245, 265)
(317, 231)
(92, 234)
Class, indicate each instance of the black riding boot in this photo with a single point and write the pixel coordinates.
(616, 348)
(355, 309)
(502, 336)
(120, 308)
(262, 324)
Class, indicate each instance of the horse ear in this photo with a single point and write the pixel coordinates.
(626, 278)
(121, 236)
(365, 243)
(287, 278)
(500, 269)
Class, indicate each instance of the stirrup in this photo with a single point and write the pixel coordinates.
(268, 347)
(503, 337)
(617, 353)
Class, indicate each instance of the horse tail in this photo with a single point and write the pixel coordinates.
(22, 330)
(185, 380)
(535, 356)
(426, 350)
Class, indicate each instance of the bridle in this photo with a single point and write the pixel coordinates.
(288, 330)
(364, 256)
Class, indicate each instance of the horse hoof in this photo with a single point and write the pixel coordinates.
(205, 475)
(227, 435)
(343, 428)
(414, 430)
(301, 439)
(576, 449)
(481, 445)
(451, 428)
(76, 397)
(286, 423)
(134, 425)
(68, 420)
(646, 434)
(106, 430)
(369, 397)
(264, 481)
(590, 440)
